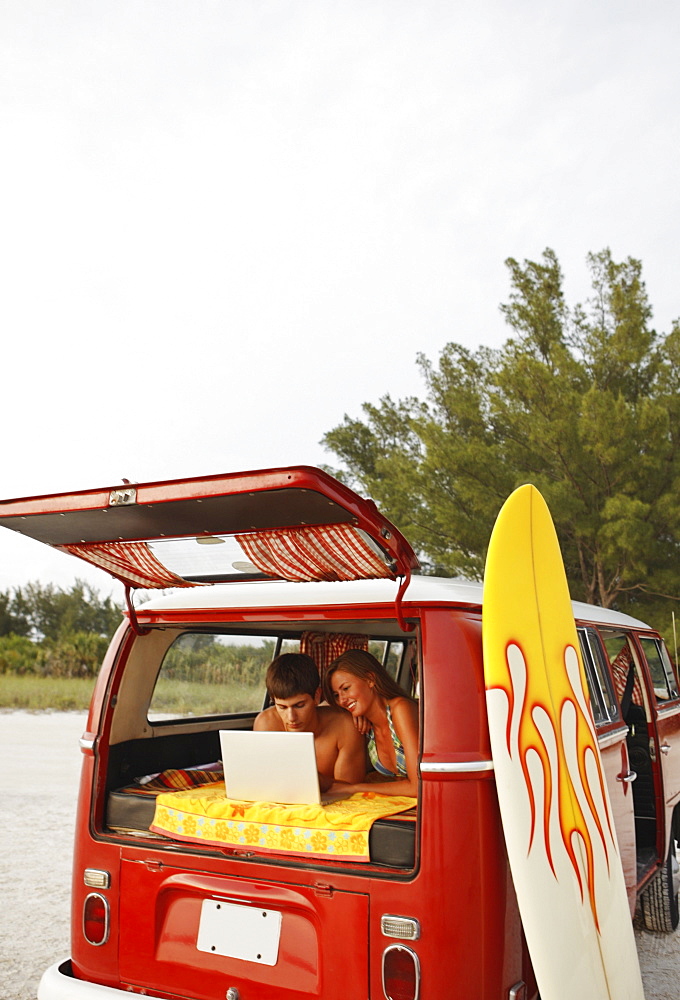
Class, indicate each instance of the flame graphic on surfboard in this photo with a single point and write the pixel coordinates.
(552, 792)
(566, 722)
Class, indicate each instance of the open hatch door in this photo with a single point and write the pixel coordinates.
(294, 523)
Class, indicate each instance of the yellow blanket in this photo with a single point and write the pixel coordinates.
(337, 830)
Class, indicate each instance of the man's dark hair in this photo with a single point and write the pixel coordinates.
(291, 674)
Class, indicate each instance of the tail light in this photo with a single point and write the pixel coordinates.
(400, 973)
(96, 919)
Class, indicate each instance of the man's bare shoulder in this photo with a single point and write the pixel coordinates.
(339, 723)
(268, 721)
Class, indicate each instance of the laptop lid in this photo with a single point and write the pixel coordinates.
(270, 767)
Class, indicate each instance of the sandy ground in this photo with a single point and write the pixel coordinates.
(35, 867)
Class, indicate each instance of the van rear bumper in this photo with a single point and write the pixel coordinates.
(57, 983)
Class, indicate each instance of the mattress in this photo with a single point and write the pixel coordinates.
(131, 810)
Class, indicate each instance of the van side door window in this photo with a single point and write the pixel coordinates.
(622, 660)
(661, 670)
(602, 698)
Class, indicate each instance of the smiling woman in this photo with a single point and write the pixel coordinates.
(359, 683)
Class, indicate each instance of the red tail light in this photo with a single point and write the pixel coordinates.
(96, 919)
(401, 973)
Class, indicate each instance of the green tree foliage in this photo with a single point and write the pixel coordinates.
(46, 631)
(11, 621)
(200, 659)
(583, 402)
(50, 612)
(72, 654)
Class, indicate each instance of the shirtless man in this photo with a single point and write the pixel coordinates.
(294, 687)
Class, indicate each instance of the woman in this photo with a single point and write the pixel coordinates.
(359, 683)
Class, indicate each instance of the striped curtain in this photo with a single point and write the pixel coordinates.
(326, 552)
(324, 647)
(132, 562)
(620, 667)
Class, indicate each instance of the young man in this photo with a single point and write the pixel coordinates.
(293, 684)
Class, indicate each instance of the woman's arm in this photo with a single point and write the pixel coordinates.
(405, 722)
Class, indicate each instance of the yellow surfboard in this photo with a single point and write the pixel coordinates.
(554, 805)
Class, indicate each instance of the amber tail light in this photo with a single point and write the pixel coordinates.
(400, 973)
(96, 919)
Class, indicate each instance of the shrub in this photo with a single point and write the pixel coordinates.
(75, 654)
(18, 655)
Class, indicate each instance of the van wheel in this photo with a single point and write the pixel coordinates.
(660, 898)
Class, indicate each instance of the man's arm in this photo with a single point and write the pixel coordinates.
(350, 764)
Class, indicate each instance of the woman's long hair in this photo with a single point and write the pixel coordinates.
(363, 665)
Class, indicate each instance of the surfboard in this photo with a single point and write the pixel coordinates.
(555, 810)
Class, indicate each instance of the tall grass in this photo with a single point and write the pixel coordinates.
(186, 698)
(183, 698)
(58, 694)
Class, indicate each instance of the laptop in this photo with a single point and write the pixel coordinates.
(270, 767)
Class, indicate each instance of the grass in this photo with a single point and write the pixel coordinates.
(56, 694)
(186, 698)
(173, 698)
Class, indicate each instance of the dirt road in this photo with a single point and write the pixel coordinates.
(38, 788)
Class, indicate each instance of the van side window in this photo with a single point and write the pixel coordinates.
(400, 660)
(204, 673)
(622, 662)
(602, 697)
(660, 667)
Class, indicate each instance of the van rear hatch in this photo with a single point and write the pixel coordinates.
(199, 934)
(292, 523)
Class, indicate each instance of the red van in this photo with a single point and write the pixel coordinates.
(253, 565)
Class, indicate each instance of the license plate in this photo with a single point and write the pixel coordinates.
(246, 932)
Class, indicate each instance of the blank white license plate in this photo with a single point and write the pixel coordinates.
(246, 932)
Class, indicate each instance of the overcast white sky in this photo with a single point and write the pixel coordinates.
(226, 223)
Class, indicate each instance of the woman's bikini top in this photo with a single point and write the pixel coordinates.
(398, 750)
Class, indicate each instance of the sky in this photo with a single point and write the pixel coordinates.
(225, 224)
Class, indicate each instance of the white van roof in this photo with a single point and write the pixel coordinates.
(421, 590)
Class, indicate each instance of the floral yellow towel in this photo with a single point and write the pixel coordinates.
(339, 829)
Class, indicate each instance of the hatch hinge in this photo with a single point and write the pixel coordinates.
(134, 622)
(403, 624)
(323, 889)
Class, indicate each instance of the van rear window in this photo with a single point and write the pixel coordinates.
(218, 674)
(207, 674)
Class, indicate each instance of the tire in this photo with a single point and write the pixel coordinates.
(660, 898)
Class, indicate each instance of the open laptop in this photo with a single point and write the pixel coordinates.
(270, 767)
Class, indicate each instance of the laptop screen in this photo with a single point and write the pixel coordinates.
(270, 767)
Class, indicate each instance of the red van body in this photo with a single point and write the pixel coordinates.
(432, 912)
